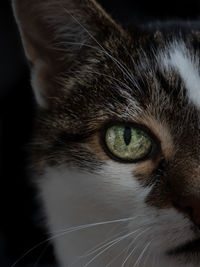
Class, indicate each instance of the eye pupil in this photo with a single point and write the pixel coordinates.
(127, 135)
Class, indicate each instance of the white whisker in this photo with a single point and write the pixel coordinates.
(98, 247)
(67, 231)
(41, 255)
(112, 244)
(126, 248)
(141, 254)
(123, 69)
(147, 257)
(123, 264)
(85, 226)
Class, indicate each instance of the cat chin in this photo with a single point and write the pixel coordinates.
(109, 206)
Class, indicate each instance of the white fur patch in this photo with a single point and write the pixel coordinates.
(72, 198)
(186, 63)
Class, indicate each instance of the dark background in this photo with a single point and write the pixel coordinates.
(19, 227)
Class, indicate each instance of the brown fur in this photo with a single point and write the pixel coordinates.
(80, 88)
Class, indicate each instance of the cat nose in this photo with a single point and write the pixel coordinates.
(191, 206)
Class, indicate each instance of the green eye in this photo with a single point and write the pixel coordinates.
(128, 143)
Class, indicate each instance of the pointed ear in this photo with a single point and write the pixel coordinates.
(51, 31)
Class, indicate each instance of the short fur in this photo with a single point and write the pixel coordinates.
(86, 73)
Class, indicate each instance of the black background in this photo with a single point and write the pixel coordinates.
(19, 227)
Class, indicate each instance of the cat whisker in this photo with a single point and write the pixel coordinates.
(147, 257)
(62, 232)
(123, 92)
(100, 246)
(111, 245)
(84, 226)
(41, 254)
(93, 47)
(125, 249)
(105, 245)
(129, 246)
(123, 69)
(142, 254)
(131, 253)
(75, 43)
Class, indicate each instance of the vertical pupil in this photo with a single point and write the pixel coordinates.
(127, 135)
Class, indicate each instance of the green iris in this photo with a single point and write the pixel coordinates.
(128, 143)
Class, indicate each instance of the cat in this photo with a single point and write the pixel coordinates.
(116, 145)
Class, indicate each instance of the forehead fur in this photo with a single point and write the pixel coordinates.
(185, 61)
(132, 81)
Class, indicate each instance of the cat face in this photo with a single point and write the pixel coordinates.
(116, 141)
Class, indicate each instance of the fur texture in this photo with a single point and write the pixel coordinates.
(88, 72)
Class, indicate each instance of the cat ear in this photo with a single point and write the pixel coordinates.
(54, 34)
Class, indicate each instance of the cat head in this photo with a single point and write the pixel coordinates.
(118, 123)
